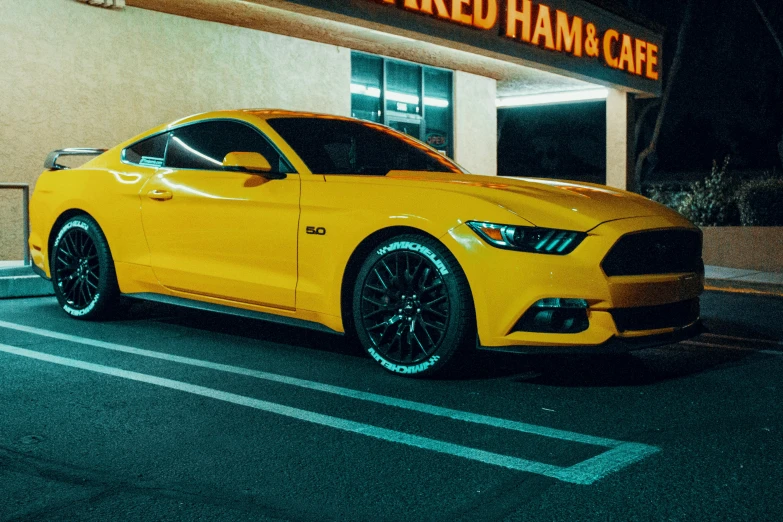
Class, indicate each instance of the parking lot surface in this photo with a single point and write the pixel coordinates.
(172, 414)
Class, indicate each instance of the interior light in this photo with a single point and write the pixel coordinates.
(436, 102)
(375, 92)
(403, 98)
(552, 98)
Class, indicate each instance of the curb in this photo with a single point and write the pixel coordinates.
(23, 282)
(743, 287)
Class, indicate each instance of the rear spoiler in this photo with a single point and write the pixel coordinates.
(51, 159)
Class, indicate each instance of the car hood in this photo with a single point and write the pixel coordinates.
(545, 202)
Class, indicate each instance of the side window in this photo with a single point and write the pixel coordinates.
(204, 145)
(147, 153)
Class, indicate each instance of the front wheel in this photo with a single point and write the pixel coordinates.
(412, 307)
(82, 267)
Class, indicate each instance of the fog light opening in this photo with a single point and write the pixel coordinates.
(555, 315)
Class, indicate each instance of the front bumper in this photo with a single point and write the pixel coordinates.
(505, 284)
(613, 345)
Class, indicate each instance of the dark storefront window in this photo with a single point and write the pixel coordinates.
(366, 87)
(390, 92)
(565, 141)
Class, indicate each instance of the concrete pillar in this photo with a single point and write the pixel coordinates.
(475, 123)
(619, 139)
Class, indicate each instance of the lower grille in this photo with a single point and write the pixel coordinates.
(675, 315)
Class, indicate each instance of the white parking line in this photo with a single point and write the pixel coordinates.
(621, 454)
(327, 388)
(732, 347)
(743, 339)
(724, 346)
(586, 472)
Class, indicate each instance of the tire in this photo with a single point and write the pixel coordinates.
(82, 267)
(412, 307)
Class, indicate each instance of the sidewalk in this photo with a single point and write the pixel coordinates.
(746, 281)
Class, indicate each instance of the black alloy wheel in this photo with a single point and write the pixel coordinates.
(82, 268)
(405, 307)
(77, 268)
(412, 308)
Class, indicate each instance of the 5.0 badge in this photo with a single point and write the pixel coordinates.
(318, 231)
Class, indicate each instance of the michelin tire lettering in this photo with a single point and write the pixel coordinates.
(415, 247)
(397, 368)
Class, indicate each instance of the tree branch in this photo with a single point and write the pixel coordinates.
(676, 65)
(769, 27)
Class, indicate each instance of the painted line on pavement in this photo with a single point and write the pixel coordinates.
(724, 346)
(584, 473)
(731, 347)
(622, 454)
(328, 388)
(743, 339)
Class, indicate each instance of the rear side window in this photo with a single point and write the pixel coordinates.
(203, 146)
(147, 153)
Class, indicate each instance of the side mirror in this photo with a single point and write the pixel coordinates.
(251, 162)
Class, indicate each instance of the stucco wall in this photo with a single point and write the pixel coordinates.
(475, 123)
(751, 248)
(74, 75)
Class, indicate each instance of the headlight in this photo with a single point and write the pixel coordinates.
(528, 239)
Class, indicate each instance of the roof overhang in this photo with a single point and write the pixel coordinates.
(388, 28)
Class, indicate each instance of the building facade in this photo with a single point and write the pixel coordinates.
(91, 73)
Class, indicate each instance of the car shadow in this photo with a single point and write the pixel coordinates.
(737, 329)
(253, 329)
(639, 368)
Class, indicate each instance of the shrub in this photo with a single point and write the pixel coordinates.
(712, 202)
(761, 202)
(670, 195)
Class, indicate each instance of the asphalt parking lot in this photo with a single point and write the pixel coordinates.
(172, 414)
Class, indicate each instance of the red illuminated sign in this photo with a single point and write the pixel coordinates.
(537, 24)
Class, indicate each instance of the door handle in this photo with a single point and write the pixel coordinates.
(160, 195)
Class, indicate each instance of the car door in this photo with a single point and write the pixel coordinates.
(218, 233)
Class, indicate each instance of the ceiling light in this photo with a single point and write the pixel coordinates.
(552, 98)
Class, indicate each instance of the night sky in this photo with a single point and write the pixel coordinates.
(726, 100)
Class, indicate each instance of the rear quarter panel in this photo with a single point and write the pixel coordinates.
(106, 189)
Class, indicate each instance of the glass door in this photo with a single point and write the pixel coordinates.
(411, 126)
(408, 97)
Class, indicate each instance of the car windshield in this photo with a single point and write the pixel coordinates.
(335, 146)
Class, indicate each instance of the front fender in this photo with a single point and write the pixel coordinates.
(351, 210)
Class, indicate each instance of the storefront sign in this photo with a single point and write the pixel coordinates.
(437, 139)
(541, 25)
(576, 38)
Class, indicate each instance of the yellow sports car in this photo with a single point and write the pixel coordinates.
(351, 227)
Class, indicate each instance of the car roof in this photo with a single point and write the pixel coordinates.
(263, 114)
(280, 113)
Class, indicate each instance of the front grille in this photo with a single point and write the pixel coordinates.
(655, 252)
(675, 315)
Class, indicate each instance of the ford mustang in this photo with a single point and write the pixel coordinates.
(350, 227)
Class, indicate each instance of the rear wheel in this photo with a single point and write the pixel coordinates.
(82, 267)
(412, 307)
